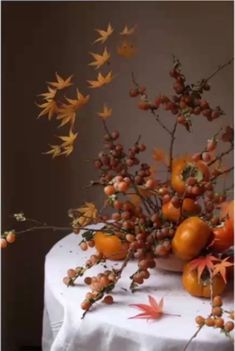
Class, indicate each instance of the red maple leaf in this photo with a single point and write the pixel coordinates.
(201, 263)
(152, 311)
(222, 268)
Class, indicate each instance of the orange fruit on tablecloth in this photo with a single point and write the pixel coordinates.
(110, 246)
(190, 238)
(201, 288)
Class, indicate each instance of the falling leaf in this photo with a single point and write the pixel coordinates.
(85, 215)
(48, 108)
(50, 94)
(228, 135)
(128, 31)
(61, 83)
(160, 155)
(100, 60)
(106, 113)
(151, 311)
(68, 140)
(126, 49)
(221, 268)
(101, 80)
(55, 151)
(202, 263)
(104, 34)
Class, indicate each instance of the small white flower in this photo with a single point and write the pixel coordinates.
(20, 217)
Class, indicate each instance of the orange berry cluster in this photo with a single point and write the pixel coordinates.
(216, 319)
(99, 284)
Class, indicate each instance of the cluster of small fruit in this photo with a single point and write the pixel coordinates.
(187, 101)
(7, 237)
(99, 285)
(74, 273)
(216, 319)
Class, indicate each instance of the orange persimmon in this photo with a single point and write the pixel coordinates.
(110, 246)
(172, 213)
(201, 288)
(223, 236)
(190, 238)
(183, 169)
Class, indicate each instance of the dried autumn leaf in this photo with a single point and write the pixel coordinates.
(228, 135)
(101, 80)
(61, 83)
(126, 49)
(100, 60)
(104, 34)
(106, 113)
(66, 115)
(151, 311)
(80, 101)
(160, 155)
(201, 263)
(68, 140)
(50, 94)
(84, 215)
(128, 31)
(221, 268)
(48, 108)
(55, 151)
(67, 150)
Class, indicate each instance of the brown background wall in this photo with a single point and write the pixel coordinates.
(39, 39)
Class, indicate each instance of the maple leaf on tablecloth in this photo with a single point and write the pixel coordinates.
(101, 80)
(201, 263)
(48, 108)
(100, 60)
(128, 31)
(61, 83)
(104, 34)
(82, 216)
(152, 311)
(221, 268)
(106, 113)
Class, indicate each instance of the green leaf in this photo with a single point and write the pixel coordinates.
(88, 235)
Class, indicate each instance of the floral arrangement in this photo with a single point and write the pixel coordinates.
(183, 214)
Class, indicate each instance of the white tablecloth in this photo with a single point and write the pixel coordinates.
(107, 327)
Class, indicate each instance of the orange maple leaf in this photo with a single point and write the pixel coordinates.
(61, 83)
(152, 311)
(202, 263)
(101, 80)
(221, 268)
(48, 108)
(104, 34)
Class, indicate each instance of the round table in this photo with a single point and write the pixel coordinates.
(108, 327)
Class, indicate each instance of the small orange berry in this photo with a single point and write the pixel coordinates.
(11, 237)
(200, 320)
(3, 243)
(87, 280)
(85, 305)
(71, 273)
(217, 301)
(83, 246)
(108, 300)
(228, 326)
(217, 311)
(219, 322)
(210, 322)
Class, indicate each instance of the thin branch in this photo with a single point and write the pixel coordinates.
(221, 156)
(172, 145)
(157, 119)
(220, 67)
(192, 337)
(224, 172)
